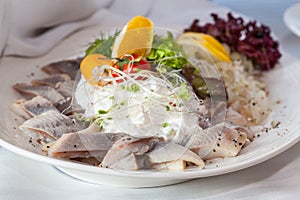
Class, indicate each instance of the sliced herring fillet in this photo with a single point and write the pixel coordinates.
(177, 165)
(69, 105)
(131, 153)
(37, 106)
(53, 80)
(165, 152)
(66, 88)
(30, 91)
(69, 67)
(84, 144)
(17, 109)
(31, 108)
(50, 124)
(229, 144)
(222, 142)
(235, 118)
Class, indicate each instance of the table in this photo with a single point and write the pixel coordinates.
(277, 178)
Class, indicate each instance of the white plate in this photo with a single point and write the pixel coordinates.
(283, 84)
(291, 18)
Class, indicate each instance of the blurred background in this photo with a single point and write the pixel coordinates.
(32, 27)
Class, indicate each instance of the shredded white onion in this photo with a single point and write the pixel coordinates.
(246, 93)
(143, 104)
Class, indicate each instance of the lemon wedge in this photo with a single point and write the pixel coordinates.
(135, 37)
(210, 48)
(89, 68)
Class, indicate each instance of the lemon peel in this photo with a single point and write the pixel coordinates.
(135, 37)
(210, 48)
(90, 63)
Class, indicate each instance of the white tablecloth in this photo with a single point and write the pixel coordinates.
(277, 178)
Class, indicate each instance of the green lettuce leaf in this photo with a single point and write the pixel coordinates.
(102, 45)
(166, 51)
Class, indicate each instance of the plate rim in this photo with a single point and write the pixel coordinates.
(287, 17)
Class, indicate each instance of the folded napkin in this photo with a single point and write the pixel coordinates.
(33, 27)
(4, 23)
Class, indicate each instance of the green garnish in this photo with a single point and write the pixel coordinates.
(164, 125)
(133, 88)
(183, 92)
(99, 122)
(102, 45)
(167, 52)
(102, 112)
(168, 108)
(122, 62)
